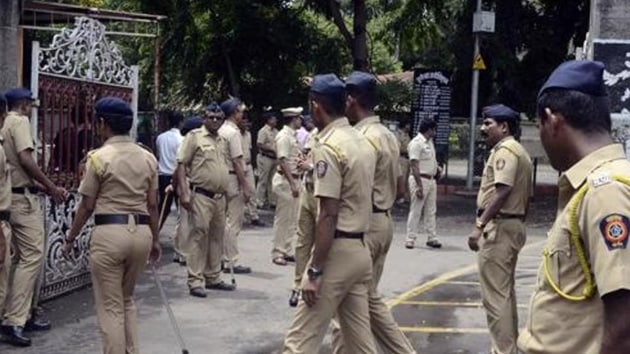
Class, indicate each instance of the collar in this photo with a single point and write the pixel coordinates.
(577, 174)
(422, 138)
(119, 139)
(174, 129)
(289, 129)
(231, 123)
(206, 132)
(498, 145)
(337, 123)
(367, 120)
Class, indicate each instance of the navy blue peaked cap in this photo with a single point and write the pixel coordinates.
(500, 112)
(328, 85)
(17, 94)
(191, 124)
(361, 81)
(230, 106)
(113, 107)
(585, 76)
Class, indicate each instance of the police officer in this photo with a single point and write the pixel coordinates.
(27, 223)
(238, 192)
(246, 139)
(403, 143)
(340, 269)
(120, 187)
(266, 159)
(286, 188)
(5, 205)
(202, 157)
(424, 171)
(306, 218)
(502, 205)
(582, 299)
(361, 99)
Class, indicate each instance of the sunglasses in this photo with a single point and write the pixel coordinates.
(216, 118)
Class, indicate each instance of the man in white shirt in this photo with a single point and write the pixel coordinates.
(167, 145)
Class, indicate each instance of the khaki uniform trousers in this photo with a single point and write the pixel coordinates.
(252, 207)
(385, 329)
(234, 220)
(285, 218)
(266, 169)
(503, 240)
(343, 291)
(403, 162)
(205, 243)
(182, 230)
(118, 254)
(27, 226)
(422, 209)
(5, 267)
(306, 219)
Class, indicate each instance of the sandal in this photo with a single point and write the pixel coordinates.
(279, 261)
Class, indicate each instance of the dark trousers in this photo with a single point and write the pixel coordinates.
(163, 182)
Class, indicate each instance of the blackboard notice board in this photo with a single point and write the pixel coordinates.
(432, 99)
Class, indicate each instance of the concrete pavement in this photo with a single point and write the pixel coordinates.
(441, 317)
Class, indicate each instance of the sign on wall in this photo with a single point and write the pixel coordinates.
(432, 100)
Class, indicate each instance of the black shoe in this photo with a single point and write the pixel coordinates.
(198, 292)
(176, 258)
(434, 244)
(14, 335)
(221, 286)
(239, 269)
(182, 262)
(289, 258)
(294, 298)
(257, 222)
(37, 324)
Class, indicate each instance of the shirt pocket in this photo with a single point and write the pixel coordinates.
(209, 152)
(559, 261)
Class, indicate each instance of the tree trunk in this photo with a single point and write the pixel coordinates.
(359, 43)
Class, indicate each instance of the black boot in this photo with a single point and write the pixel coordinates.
(14, 335)
(295, 297)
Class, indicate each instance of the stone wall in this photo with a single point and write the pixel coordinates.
(9, 20)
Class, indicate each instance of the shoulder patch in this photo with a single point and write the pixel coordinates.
(321, 167)
(614, 229)
(500, 164)
(601, 180)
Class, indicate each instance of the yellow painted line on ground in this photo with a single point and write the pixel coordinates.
(450, 304)
(448, 276)
(459, 282)
(443, 330)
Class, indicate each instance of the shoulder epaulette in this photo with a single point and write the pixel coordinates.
(96, 162)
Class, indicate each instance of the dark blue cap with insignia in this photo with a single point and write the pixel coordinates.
(328, 85)
(361, 81)
(230, 106)
(500, 113)
(191, 123)
(585, 76)
(113, 107)
(214, 108)
(17, 94)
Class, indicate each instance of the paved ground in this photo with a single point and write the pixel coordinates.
(434, 294)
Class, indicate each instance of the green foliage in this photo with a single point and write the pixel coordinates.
(394, 96)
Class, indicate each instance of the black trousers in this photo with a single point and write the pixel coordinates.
(163, 182)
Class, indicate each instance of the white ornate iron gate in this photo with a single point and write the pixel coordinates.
(80, 66)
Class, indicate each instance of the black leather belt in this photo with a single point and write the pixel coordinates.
(22, 190)
(267, 154)
(502, 215)
(207, 193)
(375, 209)
(120, 219)
(232, 172)
(5, 215)
(404, 154)
(425, 175)
(351, 235)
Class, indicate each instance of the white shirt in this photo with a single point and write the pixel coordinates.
(302, 136)
(167, 145)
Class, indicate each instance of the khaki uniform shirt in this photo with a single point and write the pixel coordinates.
(232, 135)
(246, 141)
(205, 160)
(423, 151)
(403, 141)
(344, 170)
(17, 134)
(287, 147)
(119, 175)
(5, 179)
(508, 164)
(267, 137)
(556, 325)
(387, 166)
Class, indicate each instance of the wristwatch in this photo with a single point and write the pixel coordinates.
(314, 273)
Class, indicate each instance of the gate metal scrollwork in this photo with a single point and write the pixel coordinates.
(80, 66)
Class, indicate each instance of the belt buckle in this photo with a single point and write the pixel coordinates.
(218, 195)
